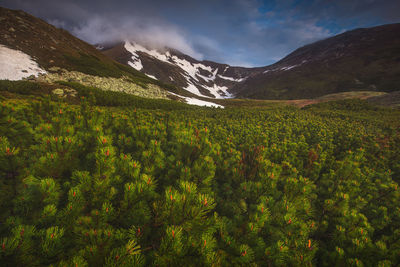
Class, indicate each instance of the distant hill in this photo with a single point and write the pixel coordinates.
(361, 59)
(388, 100)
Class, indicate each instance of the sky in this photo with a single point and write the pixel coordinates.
(237, 32)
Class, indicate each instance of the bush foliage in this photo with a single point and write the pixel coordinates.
(19, 87)
(97, 186)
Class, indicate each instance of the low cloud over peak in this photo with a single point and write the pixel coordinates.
(154, 34)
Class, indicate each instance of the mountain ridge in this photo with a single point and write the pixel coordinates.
(360, 59)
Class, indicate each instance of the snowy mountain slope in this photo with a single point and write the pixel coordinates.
(203, 78)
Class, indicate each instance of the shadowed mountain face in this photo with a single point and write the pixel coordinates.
(362, 59)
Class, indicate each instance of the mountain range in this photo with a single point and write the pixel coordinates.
(357, 60)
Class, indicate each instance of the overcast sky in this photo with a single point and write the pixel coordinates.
(236, 32)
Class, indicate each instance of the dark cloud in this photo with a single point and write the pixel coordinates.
(238, 32)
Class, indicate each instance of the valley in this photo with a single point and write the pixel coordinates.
(128, 154)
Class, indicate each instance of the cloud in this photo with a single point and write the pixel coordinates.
(155, 34)
(278, 39)
(197, 28)
(105, 22)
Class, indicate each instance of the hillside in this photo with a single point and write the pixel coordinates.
(53, 47)
(361, 59)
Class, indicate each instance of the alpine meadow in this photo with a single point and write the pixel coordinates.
(125, 153)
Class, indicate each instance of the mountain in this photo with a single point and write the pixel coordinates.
(30, 46)
(357, 60)
(361, 59)
(203, 78)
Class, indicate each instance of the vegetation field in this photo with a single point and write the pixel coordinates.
(115, 181)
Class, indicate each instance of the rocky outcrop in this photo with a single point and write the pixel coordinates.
(104, 83)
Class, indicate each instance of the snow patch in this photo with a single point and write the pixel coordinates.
(209, 79)
(216, 89)
(198, 102)
(16, 65)
(192, 88)
(232, 79)
(289, 67)
(133, 48)
(136, 63)
(286, 67)
(151, 76)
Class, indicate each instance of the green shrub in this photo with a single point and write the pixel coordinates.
(19, 87)
(98, 186)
